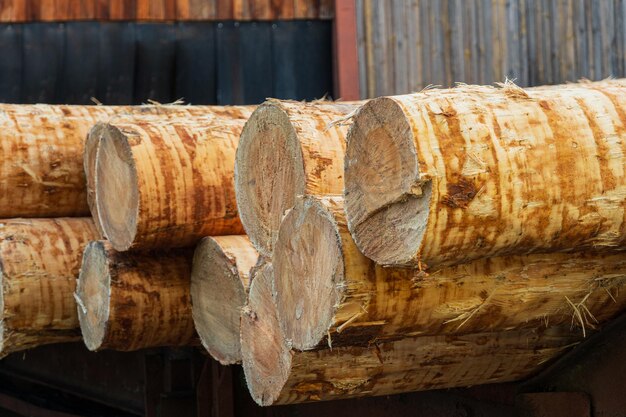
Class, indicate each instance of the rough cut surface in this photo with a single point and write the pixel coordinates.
(39, 263)
(277, 375)
(130, 301)
(169, 182)
(220, 278)
(448, 176)
(328, 293)
(287, 149)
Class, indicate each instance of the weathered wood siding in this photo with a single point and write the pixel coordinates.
(406, 45)
(159, 10)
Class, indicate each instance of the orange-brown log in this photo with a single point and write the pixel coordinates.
(132, 114)
(39, 263)
(41, 149)
(169, 183)
(129, 301)
(220, 277)
(328, 292)
(277, 375)
(287, 149)
(448, 176)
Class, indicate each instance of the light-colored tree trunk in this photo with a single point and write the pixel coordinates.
(287, 149)
(39, 261)
(327, 292)
(145, 113)
(277, 375)
(220, 277)
(130, 301)
(448, 176)
(169, 183)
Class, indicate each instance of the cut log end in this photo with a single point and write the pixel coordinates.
(218, 292)
(266, 358)
(269, 158)
(116, 178)
(309, 288)
(387, 201)
(89, 165)
(93, 294)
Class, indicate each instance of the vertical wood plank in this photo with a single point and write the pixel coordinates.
(485, 27)
(362, 47)
(425, 33)
(531, 34)
(398, 44)
(456, 35)
(414, 45)
(580, 42)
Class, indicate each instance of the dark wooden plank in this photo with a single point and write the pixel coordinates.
(11, 63)
(116, 63)
(123, 9)
(79, 76)
(154, 70)
(42, 61)
(297, 75)
(244, 70)
(195, 63)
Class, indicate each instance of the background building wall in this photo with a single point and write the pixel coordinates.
(405, 45)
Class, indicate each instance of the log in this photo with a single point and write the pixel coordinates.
(327, 292)
(220, 278)
(287, 149)
(41, 148)
(449, 176)
(130, 301)
(39, 262)
(168, 183)
(277, 375)
(133, 114)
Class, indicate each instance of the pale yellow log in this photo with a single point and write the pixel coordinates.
(287, 149)
(328, 293)
(277, 375)
(220, 277)
(448, 176)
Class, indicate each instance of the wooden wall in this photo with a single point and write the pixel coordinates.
(159, 10)
(405, 45)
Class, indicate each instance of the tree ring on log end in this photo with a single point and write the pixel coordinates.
(266, 357)
(117, 194)
(308, 273)
(93, 293)
(387, 202)
(269, 174)
(217, 295)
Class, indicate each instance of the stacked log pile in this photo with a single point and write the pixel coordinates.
(457, 255)
(158, 186)
(446, 238)
(43, 216)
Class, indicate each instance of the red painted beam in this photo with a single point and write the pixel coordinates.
(346, 60)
